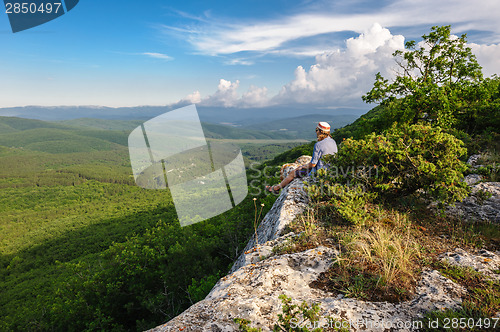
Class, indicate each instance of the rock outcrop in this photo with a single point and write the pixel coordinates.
(252, 293)
(485, 262)
(290, 203)
(259, 276)
(483, 204)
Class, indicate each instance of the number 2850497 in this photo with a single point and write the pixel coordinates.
(32, 8)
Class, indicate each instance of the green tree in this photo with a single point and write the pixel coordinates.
(438, 79)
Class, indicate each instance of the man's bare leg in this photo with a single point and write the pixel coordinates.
(285, 181)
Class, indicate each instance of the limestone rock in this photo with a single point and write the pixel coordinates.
(477, 206)
(251, 291)
(472, 161)
(472, 179)
(486, 262)
(291, 202)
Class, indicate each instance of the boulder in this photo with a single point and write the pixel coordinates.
(484, 261)
(483, 204)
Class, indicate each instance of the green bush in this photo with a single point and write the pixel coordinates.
(403, 160)
(290, 320)
(350, 202)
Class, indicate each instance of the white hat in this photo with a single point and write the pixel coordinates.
(324, 126)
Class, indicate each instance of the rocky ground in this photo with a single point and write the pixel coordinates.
(259, 276)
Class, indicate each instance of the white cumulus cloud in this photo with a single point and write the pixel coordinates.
(488, 57)
(255, 97)
(193, 98)
(344, 75)
(226, 95)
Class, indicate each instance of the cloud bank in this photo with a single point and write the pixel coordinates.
(344, 75)
(339, 77)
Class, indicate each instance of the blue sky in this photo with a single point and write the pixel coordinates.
(226, 53)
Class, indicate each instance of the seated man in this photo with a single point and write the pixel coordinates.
(325, 145)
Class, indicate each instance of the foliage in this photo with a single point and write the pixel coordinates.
(402, 161)
(302, 126)
(261, 152)
(490, 169)
(438, 81)
(244, 325)
(223, 132)
(99, 252)
(350, 202)
(143, 279)
(199, 289)
(55, 140)
(293, 154)
(373, 120)
(389, 252)
(299, 318)
(307, 234)
(482, 115)
(438, 77)
(377, 259)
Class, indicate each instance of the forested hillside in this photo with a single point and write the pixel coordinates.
(83, 247)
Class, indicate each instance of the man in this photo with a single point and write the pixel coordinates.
(325, 145)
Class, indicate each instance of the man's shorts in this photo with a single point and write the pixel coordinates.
(300, 173)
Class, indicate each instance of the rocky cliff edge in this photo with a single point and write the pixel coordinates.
(259, 276)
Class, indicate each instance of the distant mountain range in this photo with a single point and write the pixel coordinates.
(84, 135)
(297, 127)
(219, 115)
(95, 134)
(303, 126)
(230, 123)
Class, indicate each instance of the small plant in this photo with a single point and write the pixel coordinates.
(296, 318)
(285, 247)
(482, 196)
(308, 222)
(256, 220)
(357, 288)
(244, 325)
(489, 172)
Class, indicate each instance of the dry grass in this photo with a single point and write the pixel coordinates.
(387, 250)
(378, 262)
(382, 259)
